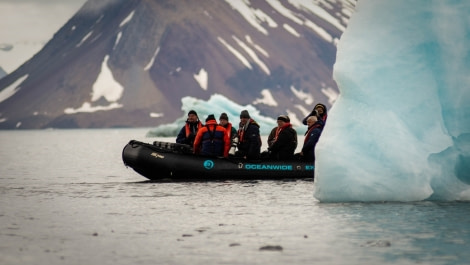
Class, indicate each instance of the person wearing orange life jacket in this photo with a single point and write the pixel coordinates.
(189, 130)
(230, 130)
(212, 139)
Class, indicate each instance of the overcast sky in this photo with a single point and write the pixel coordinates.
(34, 20)
(29, 24)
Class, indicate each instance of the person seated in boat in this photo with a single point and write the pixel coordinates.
(249, 143)
(212, 139)
(272, 135)
(320, 111)
(230, 130)
(315, 127)
(189, 130)
(285, 140)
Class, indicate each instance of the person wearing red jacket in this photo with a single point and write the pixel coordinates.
(212, 139)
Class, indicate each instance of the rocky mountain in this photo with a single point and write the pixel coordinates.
(2, 72)
(128, 63)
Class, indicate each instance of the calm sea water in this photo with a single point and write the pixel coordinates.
(67, 198)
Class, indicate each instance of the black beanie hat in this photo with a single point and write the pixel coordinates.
(210, 117)
(192, 112)
(244, 114)
(223, 116)
(284, 118)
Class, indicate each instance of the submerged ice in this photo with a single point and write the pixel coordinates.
(400, 129)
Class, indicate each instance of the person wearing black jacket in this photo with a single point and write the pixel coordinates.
(249, 145)
(189, 130)
(285, 140)
(320, 111)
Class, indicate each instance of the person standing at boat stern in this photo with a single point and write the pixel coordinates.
(315, 127)
(320, 111)
(249, 145)
(212, 139)
(189, 130)
(285, 140)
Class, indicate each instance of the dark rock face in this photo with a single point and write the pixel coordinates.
(115, 63)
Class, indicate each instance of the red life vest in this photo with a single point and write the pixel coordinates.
(188, 128)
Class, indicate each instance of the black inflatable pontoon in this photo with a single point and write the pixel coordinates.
(175, 162)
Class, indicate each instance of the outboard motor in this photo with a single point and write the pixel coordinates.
(233, 146)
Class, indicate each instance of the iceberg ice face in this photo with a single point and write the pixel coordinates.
(215, 105)
(400, 129)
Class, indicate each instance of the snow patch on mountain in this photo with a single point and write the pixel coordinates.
(253, 55)
(156, 115)
(84, 39)
(267, 99)
(256, 46)
(315, 7)
(291, 30)
(87, 107)
(302, 109)
(12, 89)
(237, 54)
(284, 11)
(304, 96)
(105, 87)
(320, 31)
(293, 118)
(127, 19)
(152, 60)
(202, 78)
(118, 38)
(255, 17)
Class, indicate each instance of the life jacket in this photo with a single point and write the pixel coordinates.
(212, 140)
(192, 129)
(228, 130)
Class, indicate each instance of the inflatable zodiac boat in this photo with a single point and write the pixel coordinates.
(176, 162)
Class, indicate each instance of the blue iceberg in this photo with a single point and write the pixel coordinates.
(400, 129)
(217, 104)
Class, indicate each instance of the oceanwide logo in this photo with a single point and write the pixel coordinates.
(267, 167)
(208, 164)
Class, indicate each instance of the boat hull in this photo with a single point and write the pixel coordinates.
(169, 161)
